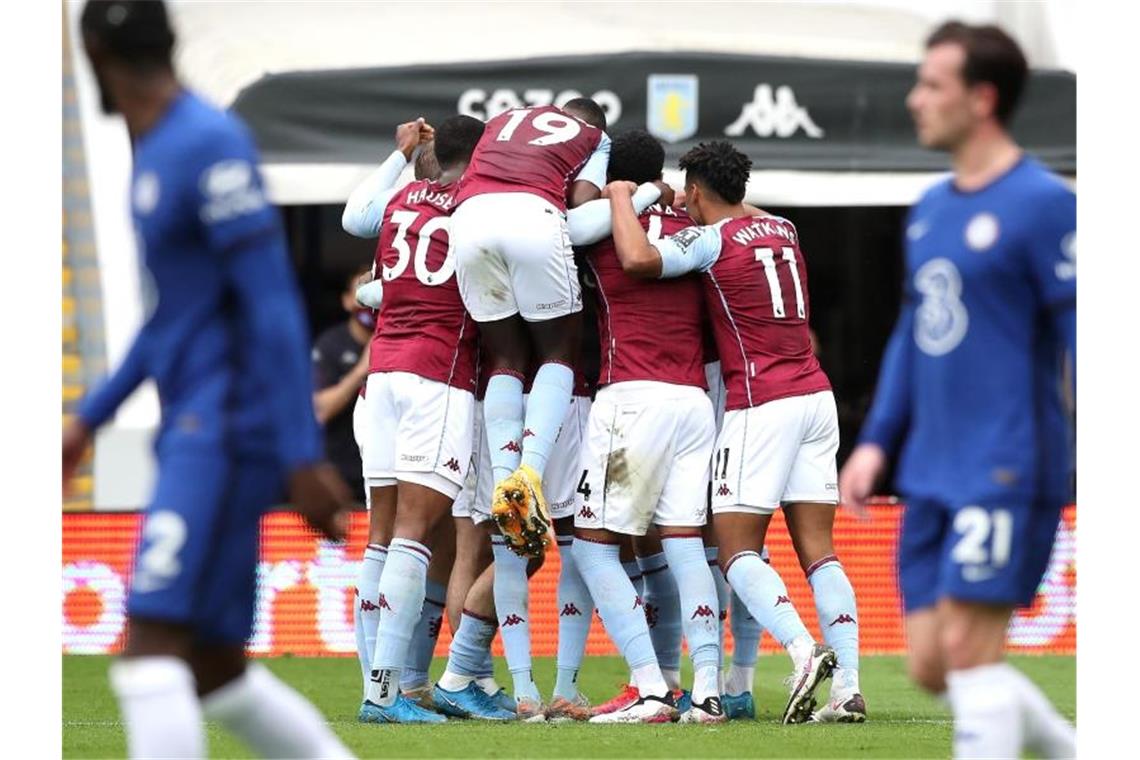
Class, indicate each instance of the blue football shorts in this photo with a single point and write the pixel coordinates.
(993, 553)
(196, 562)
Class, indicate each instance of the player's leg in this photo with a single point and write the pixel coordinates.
(993, 561)
(268, 715)
(810, 500)
(662, 605)
(153, 680)
(616, 499)
(414, 680)
(628, 693)
(512, 605)
(378, 458)
(463, 690)
(575, 605)
(544, 284)
(810, 525)
(750, 470)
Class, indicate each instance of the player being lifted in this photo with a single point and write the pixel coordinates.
(225, 341)
(419, 399)
(518, 280)
(970, 395)
(777, 446)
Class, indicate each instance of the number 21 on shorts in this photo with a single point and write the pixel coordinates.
(984, 537)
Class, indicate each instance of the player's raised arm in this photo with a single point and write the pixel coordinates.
(366, 204)
(693, 249)
(592, 221)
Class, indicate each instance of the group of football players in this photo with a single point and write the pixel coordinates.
(708, 398)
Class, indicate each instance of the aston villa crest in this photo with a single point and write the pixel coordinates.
(671, 106)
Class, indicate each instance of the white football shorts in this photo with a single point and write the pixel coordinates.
(777, 453)
(645, 458)
(359, 425)
(418, 431)
(513, 256)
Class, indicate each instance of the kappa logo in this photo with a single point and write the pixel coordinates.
(512, 619)
(638, 603)
(844, 618)
(702, 611)
(511, 446)
(570, 609)
(384, 603)
(724, 490)
(528, 433)
(366, 605)
(652, 614)
(782, 600)
(452, 464)
(586, 513)
(773, 113)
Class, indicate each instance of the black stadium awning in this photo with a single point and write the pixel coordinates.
(785, 113)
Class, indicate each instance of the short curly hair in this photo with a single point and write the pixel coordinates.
(636, 156)
(718, 166)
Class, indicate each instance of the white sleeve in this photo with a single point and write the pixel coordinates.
(365, 207)
(594, 171)
(592, 221)
(694, 249)
(370, 294)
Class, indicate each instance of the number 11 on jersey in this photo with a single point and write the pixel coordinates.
(768, 257)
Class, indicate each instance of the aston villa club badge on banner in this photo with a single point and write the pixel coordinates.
(671, 106)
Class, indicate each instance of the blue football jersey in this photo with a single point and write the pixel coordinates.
(970, 390)
(225, 337)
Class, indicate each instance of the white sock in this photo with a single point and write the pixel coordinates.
(705, 682)
(1047, 734)
(799, 649)
(844, 682)
(649, 681)
(451, 681)
(366, 615)
(740, 678)
(987, 712)
(488, 684)
(160, 707)
(272, 718)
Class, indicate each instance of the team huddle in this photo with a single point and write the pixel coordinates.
(708, 400)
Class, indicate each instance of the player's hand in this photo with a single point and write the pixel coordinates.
(667, 194)
(408, 136)
(427, 133)
(862, 471)
(619, 189)
(319, 494)
(76, 439)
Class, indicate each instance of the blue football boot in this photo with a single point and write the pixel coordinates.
(738, 706)
(403, 710)
(469, 702)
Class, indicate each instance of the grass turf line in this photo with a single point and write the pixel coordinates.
(903, 722)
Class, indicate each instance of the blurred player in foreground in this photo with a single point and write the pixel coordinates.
(970, 395)
(226, 343)
(518, 279)
(776, 448)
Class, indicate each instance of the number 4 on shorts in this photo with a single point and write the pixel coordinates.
(583, 486)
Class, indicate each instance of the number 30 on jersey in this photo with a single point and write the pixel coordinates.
(403, 221)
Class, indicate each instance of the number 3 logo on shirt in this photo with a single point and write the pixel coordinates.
(941, 320)
(403, 220)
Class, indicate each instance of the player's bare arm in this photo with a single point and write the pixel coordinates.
(638, 258)
(860, 475)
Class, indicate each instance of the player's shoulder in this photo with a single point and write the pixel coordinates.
(1040, 183)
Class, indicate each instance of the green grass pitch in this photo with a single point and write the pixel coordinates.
(902, 721)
